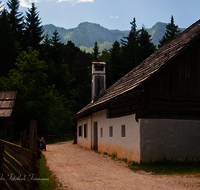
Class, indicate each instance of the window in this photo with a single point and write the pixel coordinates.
(123, 130)
(110, 131)
(98, 68)
(85, 131)
(101, 132)
(80, 131)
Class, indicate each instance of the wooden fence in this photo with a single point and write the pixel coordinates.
(19, 166)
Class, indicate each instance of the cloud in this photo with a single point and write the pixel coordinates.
(59, 1)
(114, 17)
(1, 6)
(34, 1)
(83, 1)
(26, 4)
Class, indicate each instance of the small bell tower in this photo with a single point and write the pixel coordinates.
(98, 80)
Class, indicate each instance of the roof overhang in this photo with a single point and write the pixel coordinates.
(106, 104)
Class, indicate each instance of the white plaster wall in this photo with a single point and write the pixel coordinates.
(86, 142)
(125, 147)
(169, 138)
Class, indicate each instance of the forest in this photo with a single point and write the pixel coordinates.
(53, 80)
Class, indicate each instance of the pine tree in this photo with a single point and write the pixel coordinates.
(8, 49)
(46, 41)
(15, 19)
(33, 28)
(130, 46)
(171, 32)
(146, 45)
(55, 38)
(115, 68)
(96, 51)
(56, 48)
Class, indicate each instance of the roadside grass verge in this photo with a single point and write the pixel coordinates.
(48, 180)
(113, 155)
(48, 141)
(165, 167)
(161, 167)
(168, 167)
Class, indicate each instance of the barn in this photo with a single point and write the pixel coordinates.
(9, 114)
(153, 111)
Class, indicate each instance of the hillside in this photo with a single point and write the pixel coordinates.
(85, 34)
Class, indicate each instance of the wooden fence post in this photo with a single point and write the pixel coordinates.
(1, 153)
(1, 162)
(25, 139)
(33, 131)
(21, 139)
(36, 150)
(29, 167)
(35, 136)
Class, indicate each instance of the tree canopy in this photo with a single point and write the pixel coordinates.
(33, 28)
(15, 19)
(96, 51)
(171, 32)
(136, 47)
(53, 80)
(130, 46)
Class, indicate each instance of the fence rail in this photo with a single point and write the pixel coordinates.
(19, 166)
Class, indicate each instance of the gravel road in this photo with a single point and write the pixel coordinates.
(78, 168)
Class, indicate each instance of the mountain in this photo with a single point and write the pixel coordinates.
(158, 30)
(86, 33)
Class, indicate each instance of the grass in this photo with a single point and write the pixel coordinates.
(123, 159)
(168, 167)
(48, 141)
(97, 152)
(51, 181)
(113, 155)
(48, 180)
(159, 167)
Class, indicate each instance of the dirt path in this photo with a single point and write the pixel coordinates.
(78, 169)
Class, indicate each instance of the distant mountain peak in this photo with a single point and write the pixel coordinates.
(88, 23)
(86, 33)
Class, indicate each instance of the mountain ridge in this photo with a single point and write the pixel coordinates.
(86, 33)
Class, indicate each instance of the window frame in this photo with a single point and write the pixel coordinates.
(85, 129)
(123, 130)
(80, 133)
(101, 132)
(111, 131)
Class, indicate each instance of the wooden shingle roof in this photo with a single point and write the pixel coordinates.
(7, 101)
(147, 68)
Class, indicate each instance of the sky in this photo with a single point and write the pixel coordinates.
(114, 14)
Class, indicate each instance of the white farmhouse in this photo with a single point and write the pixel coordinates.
(153, 111)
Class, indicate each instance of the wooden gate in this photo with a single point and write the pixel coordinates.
(19, 166)
(95, 147)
